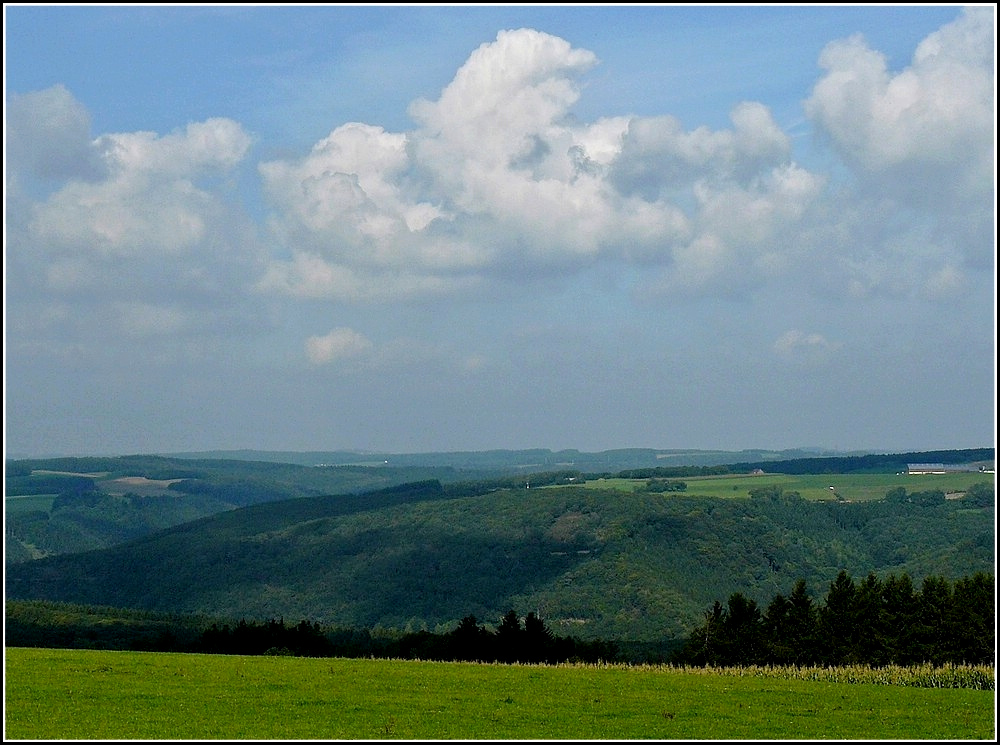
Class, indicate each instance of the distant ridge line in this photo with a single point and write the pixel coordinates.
(599, 461)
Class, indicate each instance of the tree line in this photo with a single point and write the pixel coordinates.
(514, 639)
(871, 463)
(527, 640)
(872, 622)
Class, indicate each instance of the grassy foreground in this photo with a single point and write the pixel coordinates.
(91, 694)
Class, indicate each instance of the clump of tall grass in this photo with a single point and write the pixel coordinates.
(977, 677)
(926, 675)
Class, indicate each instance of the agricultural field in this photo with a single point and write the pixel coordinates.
(91, 694)
(16, 506)
(851, 487)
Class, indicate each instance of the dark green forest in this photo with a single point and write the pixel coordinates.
(596, 564)
(67, 505)
(875, 622)
(127, 497)
(868, 463)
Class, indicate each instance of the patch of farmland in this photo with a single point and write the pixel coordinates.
(16, 505)
(849, 487)
(94, 475)
(138, 485)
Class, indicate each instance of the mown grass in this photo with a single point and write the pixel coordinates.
(88, 694)
(854, 487)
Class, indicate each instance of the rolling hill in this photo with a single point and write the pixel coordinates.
(63, 505)
(57, 506)
(594, 563)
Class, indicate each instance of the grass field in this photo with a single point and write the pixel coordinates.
(853, 487)
(88, 694)
(18, 505)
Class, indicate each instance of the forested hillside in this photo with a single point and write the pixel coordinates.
(65, 505)
(869, 463)
(598, 564)
(56, 506)
(893, 621)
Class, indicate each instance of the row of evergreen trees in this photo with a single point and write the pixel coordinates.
(512, 641)
(873, 622)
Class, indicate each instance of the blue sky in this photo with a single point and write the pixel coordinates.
(425, 228)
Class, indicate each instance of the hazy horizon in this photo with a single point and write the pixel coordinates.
(818, 451)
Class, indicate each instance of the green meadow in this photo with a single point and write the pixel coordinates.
(92, 694)
(15, 506)
(853, 487)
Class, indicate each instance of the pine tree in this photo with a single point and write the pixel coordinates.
(538, 639)
(838, 621)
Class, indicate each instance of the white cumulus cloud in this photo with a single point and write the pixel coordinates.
(500, 179)
(920, 140)
(938, 110)
(920, 143)
(340, 343)
(147, 199)
(132, 226)
(47, 135)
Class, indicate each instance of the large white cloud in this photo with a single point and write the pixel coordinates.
(48, 136)
(131, 226)
(659, 158)
(148, 200)
(939, 110)
(500, 179)
(129, 251)
(506, 99)
(921, 143)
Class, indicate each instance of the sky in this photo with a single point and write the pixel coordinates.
(427, 228)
